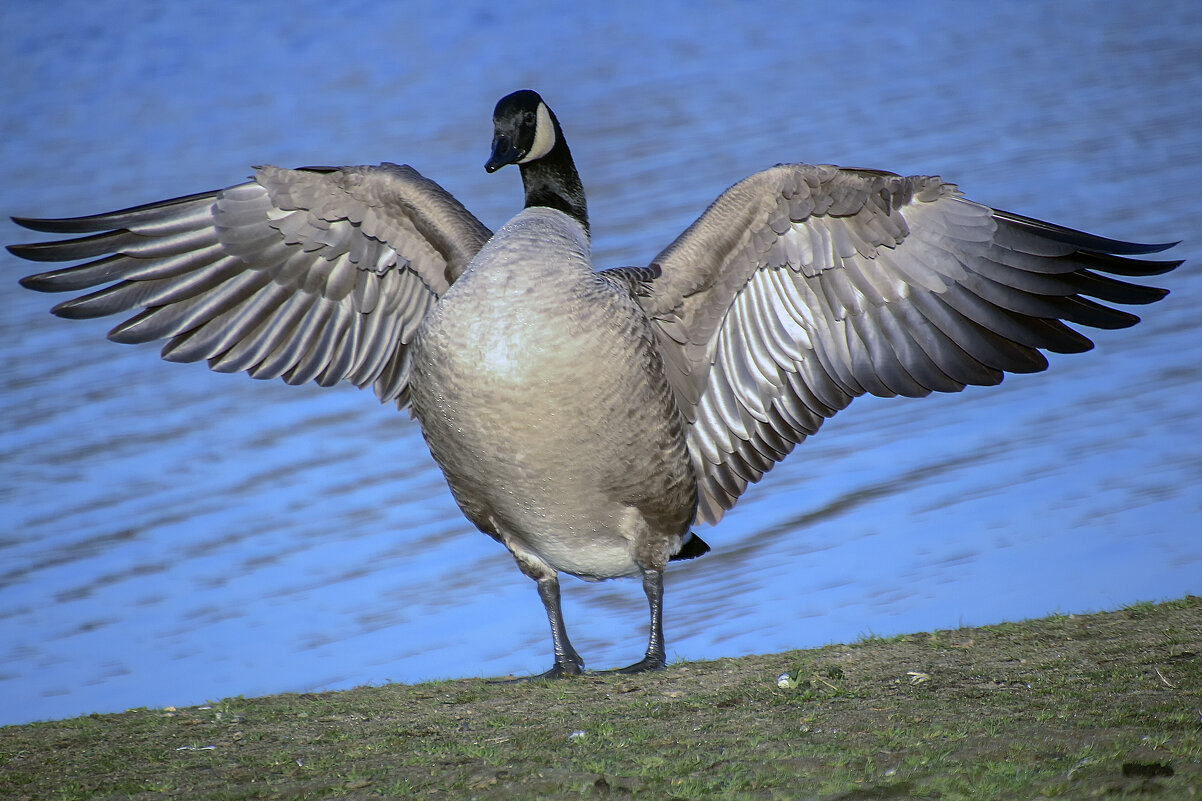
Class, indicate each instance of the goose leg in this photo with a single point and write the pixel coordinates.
(567, 661)
(653, 586)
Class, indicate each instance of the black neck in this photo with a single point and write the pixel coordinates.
(552, 181)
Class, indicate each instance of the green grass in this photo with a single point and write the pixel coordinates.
(1073, 706)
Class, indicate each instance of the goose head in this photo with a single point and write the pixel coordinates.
(524, 129)
(527, 133)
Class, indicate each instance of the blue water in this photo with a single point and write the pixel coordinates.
(172, 536)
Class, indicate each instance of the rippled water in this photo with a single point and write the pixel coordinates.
(172, 535)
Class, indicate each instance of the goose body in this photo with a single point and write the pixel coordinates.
(538, 385)
(589, 419)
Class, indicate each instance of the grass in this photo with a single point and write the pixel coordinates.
(1077, 706)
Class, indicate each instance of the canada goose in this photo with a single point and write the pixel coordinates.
(584, 419)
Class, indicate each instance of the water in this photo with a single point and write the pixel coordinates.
(172, 535)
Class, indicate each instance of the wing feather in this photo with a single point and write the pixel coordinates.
(320, 274)
(805, 286)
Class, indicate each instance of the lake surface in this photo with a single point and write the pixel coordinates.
(172, 536)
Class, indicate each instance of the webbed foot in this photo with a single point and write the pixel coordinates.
(559, 670)
(644, 665)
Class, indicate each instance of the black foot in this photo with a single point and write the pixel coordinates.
(647, 663)
(559, 671)
(562, 669)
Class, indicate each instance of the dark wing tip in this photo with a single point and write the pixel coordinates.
(111, 220)
(21, 251)
(45, 226)
(38, 283)
(1089, 243)
(65, 225)
(1118, 265)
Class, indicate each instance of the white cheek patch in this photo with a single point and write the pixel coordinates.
(544, 135)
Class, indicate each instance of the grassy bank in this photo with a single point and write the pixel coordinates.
(1079, 706)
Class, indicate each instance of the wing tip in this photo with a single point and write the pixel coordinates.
(1089, 243)
(40, 282)
(42, 225)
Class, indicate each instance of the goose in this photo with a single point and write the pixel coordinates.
(589, 419)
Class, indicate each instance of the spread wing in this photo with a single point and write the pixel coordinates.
(805, 286)
(320, 274)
